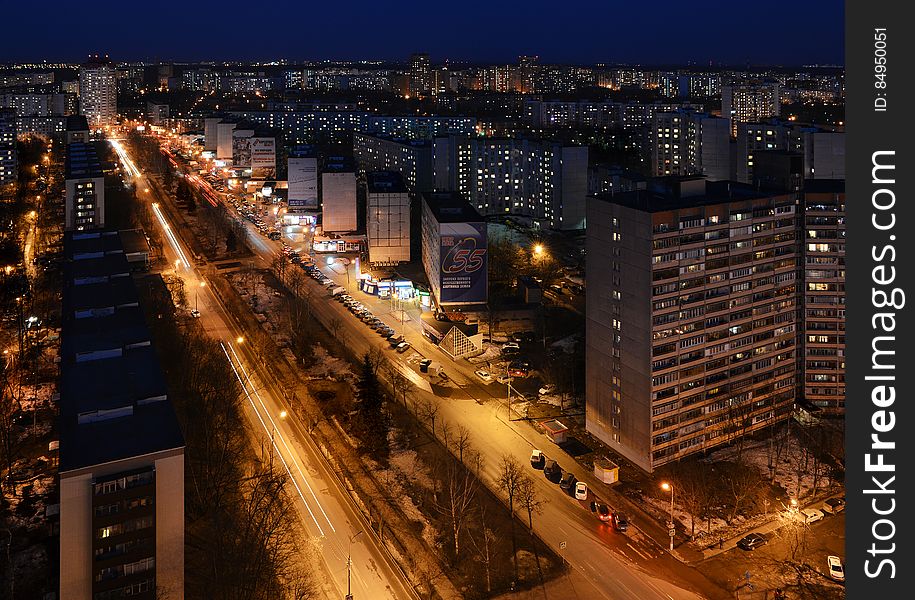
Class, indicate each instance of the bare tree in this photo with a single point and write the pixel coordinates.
(693, 484)
(376, 358)
(509, 480)
(429, 412)
(529, 500)
(399, 382)
(455, 501)
(461, 441)
(445, 429)
(743, 483)
(485, 546)
(334, 325)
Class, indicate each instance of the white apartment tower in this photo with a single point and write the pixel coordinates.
(98, 92)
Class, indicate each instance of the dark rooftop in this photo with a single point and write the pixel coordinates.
(82, 161)
(824, 186)
(77, 123)
(113, 397)
(385, 182)
(117, 331)
(450, 207)
(80, 245)
(671, 193)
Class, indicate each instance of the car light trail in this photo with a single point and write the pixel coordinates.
(132, 171)
(282, 439)
(273, 436)
(170, 235)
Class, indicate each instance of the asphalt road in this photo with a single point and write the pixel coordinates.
(326, 511)
(628, 566)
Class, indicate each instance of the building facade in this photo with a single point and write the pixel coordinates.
(338, 195)
(454, 250)
(9, 163)
(692, 316)
(84, 183)
(98, 92)
(387, 221)
(749, 102)
(824, 294)
(688, 143)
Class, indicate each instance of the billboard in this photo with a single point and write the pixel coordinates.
(303, 183)
(241, 151)
(463, 269)
(263, 158)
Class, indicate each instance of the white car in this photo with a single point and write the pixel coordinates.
(836, 570)
(195, 313)
(810, 515)
(581, 490)
(484, 375)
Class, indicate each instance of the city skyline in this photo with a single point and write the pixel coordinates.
(813, 35)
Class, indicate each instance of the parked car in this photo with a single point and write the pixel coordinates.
(503, 379)
(538, 459)
(519, 368)
(552, 471)
(567, 483)
(751, 541)
(810, 515)
(836, 570)
(620, 522)
(395, 340)
(603, 512)
(511, 348)
(484, 375)
(581, 490)
(402, 347)
(834, 505)
(386, 332)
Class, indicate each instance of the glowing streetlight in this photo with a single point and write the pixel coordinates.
(538, 249)
(240, 339)
(669, 488)
(283, 414)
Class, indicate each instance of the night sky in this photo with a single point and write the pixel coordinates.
(559, 31)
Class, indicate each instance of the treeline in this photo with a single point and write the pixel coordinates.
(242, 535)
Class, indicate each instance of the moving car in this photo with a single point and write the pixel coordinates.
(836, 570)
(810, 515)
(603, 512)
(538, 459)
(581, 490)
(834, 506)
(751, 541)
(484, 375)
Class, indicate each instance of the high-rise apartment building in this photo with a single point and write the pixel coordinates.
(98, 91)
(824, 294)
(387, 220)
(749, 102)
(411, 158)
(688, 143)
(527, 74)
(9, 164)
(420, 81)
(692, 316)
(85, 188)
(121, 448)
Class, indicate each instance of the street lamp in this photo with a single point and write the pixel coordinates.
(670, 488)
(200, 285)
(240, 339)
(349, 565)
(538, 249)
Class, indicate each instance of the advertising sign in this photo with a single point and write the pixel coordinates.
(263, 158)
(463, 263)
(303, 183)
(241, 152)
